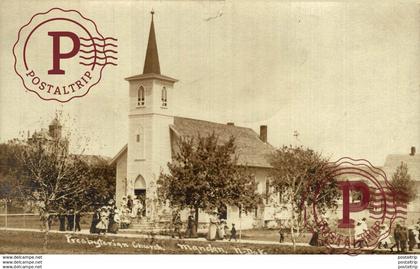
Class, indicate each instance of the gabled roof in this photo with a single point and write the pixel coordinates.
(250, 149)
(117, 156)
(392, 161)
(94, 159)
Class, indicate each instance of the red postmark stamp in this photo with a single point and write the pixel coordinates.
(60, 54)
(366, 211)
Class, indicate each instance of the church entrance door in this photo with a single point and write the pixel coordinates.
(140, 193)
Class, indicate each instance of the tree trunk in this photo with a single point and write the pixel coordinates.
(45, 219)
(292, 229)
(196, 220)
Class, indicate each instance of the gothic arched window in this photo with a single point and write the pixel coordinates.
(164, 97)
(140, 96)
(140, 143)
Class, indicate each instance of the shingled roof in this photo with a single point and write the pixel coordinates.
(392, 161)
(250, 149)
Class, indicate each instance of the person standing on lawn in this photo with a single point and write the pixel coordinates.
(226, 228)
(233, 232)
(102, 226)
(212, 232)
(62, 220)
(95, 220)
(314, 239)
(397, 238)
(111, 219)
(190, 224)
(386, 242)
(77, 224)
(411, 239)
(221, 230)
(403, 239)
(70, 220)
(115, 223)
(176, 220)
(281, 234)
(416, 235)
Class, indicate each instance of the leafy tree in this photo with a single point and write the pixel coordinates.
(403, 185)
(297, 173)
(10, 187)
(98, 187)
(204, 175)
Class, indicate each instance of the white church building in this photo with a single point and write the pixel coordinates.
(154, 128)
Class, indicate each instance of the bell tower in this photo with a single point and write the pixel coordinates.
(150, 115)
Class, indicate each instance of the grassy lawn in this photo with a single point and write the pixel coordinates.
(60, 243)
(272, 235)
(23, 242)
(33, 222)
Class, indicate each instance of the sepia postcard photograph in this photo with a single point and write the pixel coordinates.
(285, 128)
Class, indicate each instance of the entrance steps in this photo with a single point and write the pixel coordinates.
(148, 226)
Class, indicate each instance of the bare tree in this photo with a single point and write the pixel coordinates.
(296, 173)
(49, 175)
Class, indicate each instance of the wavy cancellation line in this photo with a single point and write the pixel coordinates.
(98, 57)
(98, 51)
(98, 45)
(97, 38)
(96, 63)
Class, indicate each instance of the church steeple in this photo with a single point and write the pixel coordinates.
(151, 63)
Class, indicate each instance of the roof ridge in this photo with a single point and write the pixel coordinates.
(221, 124)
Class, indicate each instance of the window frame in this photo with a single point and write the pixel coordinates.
(164, 97)
(141, 96)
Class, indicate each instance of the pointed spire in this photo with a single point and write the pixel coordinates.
(151, 63)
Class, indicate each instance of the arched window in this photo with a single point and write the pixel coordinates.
(140, 143)
(164, 97)
(140, 96)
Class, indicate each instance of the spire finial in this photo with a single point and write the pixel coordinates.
(151, 62)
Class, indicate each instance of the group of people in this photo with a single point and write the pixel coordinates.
(110, 218)
(106, 219)
(405, 237)
(69, 221)
(402, 238)
(217, 230)
(131, 209)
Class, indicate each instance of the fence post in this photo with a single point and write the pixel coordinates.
(6, 215)
(240, 223)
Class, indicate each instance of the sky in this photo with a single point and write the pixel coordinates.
(343, 75)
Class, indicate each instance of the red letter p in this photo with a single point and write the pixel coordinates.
(346, 187)
(57, 55)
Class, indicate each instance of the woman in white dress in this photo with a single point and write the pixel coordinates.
(135, 209)
(102, 226)
(214, 221)
(221, 230)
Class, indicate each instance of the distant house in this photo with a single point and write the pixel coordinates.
(392, 161)
(154, 128)
(412, 160)
(54, 132)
